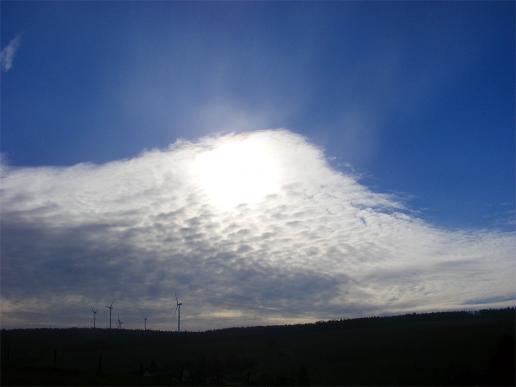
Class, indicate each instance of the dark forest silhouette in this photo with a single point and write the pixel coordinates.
(448, 348)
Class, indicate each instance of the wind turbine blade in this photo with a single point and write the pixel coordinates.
(177, 301)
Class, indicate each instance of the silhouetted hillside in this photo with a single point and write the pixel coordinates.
(453, 348)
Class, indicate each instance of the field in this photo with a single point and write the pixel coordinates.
(452, 348)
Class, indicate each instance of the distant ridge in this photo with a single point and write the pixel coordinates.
(410, 316)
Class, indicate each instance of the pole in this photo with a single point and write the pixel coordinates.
(99, 365)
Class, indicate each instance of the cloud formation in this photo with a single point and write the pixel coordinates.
(251, 228)
(8, 53)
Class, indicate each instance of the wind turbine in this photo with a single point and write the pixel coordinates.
(145, 323)
(110, 307)
(119, 322)
(178, 310)
(94, 311)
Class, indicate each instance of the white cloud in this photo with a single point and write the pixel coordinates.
(8, 53)
(313, 243)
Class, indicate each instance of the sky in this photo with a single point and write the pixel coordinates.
(269, 162)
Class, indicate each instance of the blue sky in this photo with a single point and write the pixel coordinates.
(418, 98)
(414, 98)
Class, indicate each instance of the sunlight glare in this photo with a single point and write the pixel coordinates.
(241, 169)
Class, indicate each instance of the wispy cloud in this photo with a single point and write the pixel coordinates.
(8, 53)
(307, 242)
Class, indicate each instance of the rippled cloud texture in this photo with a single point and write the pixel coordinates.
(253, 228)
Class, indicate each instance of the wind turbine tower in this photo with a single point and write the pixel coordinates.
(178, 310)
(94, 311)
(110, 307)
(145, 323)
(120, 322)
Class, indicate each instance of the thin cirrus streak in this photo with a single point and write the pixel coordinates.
(8, 53)
(250, 228)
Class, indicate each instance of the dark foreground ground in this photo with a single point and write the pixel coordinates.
(458, 348)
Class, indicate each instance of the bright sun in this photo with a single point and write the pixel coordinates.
(239, 170)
